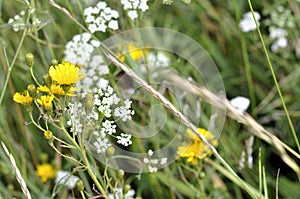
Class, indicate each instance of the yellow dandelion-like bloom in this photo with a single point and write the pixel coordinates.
(46, 101)
(45, 171)
(56, 90)
(23, 98)
(134, 51)
(197, 149)
(65, 73)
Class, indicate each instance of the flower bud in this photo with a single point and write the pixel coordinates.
(126, 189)
(54, 62)
(79, 185)
(32, 90)
(121, 173)
(47, 80)
(202, 175)
(48, 135)
(29, 59)
(89, 102)
(110, 151)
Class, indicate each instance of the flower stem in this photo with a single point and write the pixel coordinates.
(10, 67)
(85, 160)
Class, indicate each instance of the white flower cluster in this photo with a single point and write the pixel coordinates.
(124, 139)
(125, 111)
(157, 60)
(80, 119)
(105, 100)
(118, 194)
(66, 178)
(101, 17)
(102, 142)
(133, 6)
(79, 50)
(85, 118)
(247, 24)
(94, 71)
(152, 163)
(281, 17)
(17, 22)
(279, 35)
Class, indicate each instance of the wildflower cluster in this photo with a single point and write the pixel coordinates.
(280, 20)
(152, 163)
(134, 6)
(89, 116)
(101, 17)
(197, 149)
(18, 22)
(80, 48)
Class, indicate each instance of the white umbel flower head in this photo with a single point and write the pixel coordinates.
(247, 24)
(240, 103)
(101, 17)
(66, 178)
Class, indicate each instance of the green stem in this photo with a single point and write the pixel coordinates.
(33, 76)
(10, 67)
(246, 60)
(85, 160)
(35, 124)
(275, 79)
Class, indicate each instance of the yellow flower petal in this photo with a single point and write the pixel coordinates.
(22, 98)
(134, 52)
(46, 101)
(65, 73)
(45, 171)
(197, 149)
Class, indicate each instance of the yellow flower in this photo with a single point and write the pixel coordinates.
(45, 171)
(22, 98)
(134, 51)
(197, 149)
(56, 90)
(65, 73)
(46, 101)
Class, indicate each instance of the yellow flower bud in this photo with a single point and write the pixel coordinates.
(110, 151)
(48, 135)
(32, 90)
(29, 59)
(79, 185)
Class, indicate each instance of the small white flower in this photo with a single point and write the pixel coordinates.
(247, 24)
(281, 42)
(152, 169)
(240, 103)
(163, 160)
(102, 143)
(150, 152)
(134, 6)
(132, 14)
(66, 178)
(277, 32)
(118, 194)
(146, 160)
(280, 35)
(124, 139)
